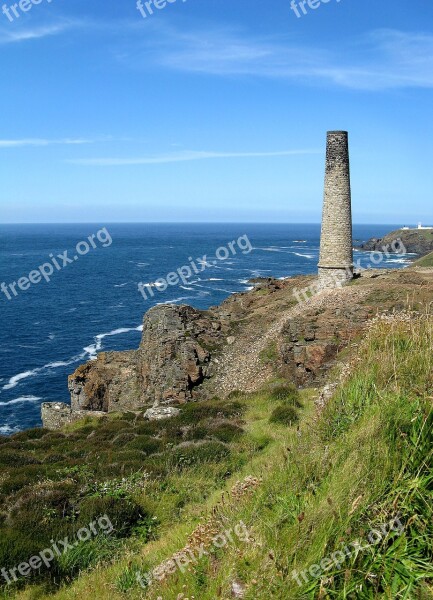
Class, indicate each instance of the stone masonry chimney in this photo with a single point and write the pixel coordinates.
(336, 251)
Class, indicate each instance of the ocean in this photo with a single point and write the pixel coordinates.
(92, 303)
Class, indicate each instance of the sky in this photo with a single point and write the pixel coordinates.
(213, 110)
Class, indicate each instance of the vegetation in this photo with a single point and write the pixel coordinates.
(425, 261)
(53, 484)
(355, 468)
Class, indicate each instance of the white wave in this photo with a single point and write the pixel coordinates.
(153, 284)
(199, 285)
(176, 300)
(89, 352)
(257, 273)
(94, 348)
(303, 255)
(20, 400)
(299, 241)
(14, 381)
(60, 363)
(214, 279)
(5, 429)
(272, 249)
(184, 287)
(204, 264)
(122, 284)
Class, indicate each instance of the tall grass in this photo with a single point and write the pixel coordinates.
(327, 482)
(364, 462)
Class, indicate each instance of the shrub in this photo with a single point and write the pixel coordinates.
(193, 412)
(122, 439)
(196, 454)
(226, 432)
(87, 554)
(31, 434)
(124, 514)
(145, 444)
(285, 393)
(16, 459)
(285, 415)
(198, 432)
(21, 477)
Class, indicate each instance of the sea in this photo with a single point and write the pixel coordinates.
(88, 299)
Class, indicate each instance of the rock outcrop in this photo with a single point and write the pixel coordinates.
(281, 328)
(57, 414)
(417, 241)
(173, 359)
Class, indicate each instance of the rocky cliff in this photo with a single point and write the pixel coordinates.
(418, 241)
(279, 329)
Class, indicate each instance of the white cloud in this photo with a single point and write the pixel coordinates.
(19, 143)
(379, 60)
(188, 155)
(20, 31)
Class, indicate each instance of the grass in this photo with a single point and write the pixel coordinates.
(425, 261)
(320, 487)
(140, 473)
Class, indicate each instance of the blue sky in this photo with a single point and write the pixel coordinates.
(213, 110)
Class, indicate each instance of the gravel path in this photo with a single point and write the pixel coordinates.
(240, 366)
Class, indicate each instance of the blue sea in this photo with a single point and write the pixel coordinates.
(92, 302)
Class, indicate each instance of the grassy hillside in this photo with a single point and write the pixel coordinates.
(425, 261)
(337, 505)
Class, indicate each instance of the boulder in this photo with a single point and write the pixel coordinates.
(161, 412)
(173, 359)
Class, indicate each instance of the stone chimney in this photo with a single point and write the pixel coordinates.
(336, 251)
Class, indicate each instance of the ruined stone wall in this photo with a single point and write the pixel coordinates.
(336, 253)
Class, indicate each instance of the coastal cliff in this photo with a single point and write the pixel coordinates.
(416, 241)
(317, 400)
(278, 329)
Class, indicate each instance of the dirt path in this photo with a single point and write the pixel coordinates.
(240, 366)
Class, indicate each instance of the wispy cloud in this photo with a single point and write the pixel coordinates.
(29, 34)
(43, 142)
(378, 60)
(187, 155)
(22, 31)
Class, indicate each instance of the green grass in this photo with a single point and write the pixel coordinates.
(365, 460)
(140, 473)
(425, 261)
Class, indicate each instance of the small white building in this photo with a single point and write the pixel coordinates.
(420, 226)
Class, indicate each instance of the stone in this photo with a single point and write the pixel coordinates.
(58, 414)
(336, 249)
(161, 412)
(173, 360)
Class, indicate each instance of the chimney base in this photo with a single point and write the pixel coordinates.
(334, 277)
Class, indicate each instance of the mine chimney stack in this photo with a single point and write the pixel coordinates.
(336, 250)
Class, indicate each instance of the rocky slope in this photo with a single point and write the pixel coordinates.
(418, 241)
(276, 330)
